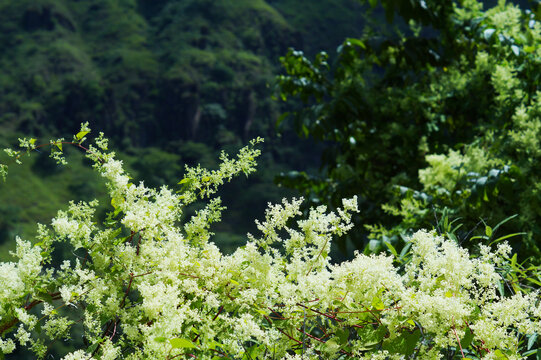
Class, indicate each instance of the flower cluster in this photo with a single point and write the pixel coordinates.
(150, 286)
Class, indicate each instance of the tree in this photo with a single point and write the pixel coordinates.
(444, 111)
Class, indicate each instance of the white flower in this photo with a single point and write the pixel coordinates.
(7, 346)
(77, 355)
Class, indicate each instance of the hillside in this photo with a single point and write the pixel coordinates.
(171, 82)
(152, 71)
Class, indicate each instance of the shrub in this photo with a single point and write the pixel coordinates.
(448, 106)
(144, 285)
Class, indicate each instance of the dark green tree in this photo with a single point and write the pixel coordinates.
(434, 115)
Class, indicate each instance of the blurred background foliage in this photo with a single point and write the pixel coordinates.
(436, 118)
(171, 82)
(425, 109)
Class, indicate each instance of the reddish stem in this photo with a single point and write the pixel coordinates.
(289, 336)
(320, 313)
(458, 340)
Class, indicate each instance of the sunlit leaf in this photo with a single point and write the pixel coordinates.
(81, 134)
(179, 343)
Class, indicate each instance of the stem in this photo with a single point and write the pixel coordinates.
(320, 313)
(116, 320)
(289, 336)
(318, 255)
(127, 291)
(8, 325)
(15, 320)
(458, 340)
(138, 246)
(214, 318)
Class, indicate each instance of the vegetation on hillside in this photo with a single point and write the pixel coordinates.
(437, 122)
(148, 72)
(169, 81)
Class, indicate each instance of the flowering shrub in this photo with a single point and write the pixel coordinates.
(149, 287)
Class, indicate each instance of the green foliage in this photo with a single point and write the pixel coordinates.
(444, 119)
(144, 70)
(324, 23)
(157, 167)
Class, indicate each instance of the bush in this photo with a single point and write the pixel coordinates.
(144, 285)
(446, 110)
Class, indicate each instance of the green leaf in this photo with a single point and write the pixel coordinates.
(536, 282)
(405, 250)
(500, 355)
(38, 327)
(370, 337)
(281, 118)
(488, 33)
(160, 339)
(114, 235)
(184, 181)
(404, 344)
(45, 296)
(262, 312)
(501, 289)
(514, 260)
(488, 231)
(255, 352)
(94, 346)
(391, 248)
(58, 145)
(377, 303)
(81, 134)
(531, 340)
(343, 335)
(504, 221)
(467, 339)
(506, 237)
(484, 237)
(357, 42)
(305, 130)
(515, 49)
(114, 202)
(178, 343)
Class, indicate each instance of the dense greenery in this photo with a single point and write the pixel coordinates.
(151, 72)
(438, 120)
